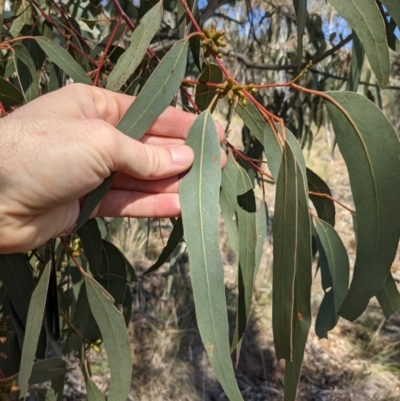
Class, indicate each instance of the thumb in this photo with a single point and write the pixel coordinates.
(148, 161)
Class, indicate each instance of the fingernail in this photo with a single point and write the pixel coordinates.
(182, 155)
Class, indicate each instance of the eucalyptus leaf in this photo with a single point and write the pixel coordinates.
(30, 78)
(204, 93)
(140, 40)
(199, 198)
(357, 62)
(325, 207)
(173, 242)
(364, 17)
(246, 217)
(393, 6)
(300, 7)
(291, 230)
(375, 184)
(63, 59)
(90, 237)
(9, 94)
(153, 99)
(32, 330)
(157, 93)
(389, 297)
(115, 338)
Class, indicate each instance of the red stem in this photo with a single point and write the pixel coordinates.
(248, 159)
(107, 48)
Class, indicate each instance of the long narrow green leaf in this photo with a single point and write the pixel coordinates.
(357, 61)
(48, 369)
(337, 259)
(393, 6)
(292, 273)
(335, 267)
(63, 59)
(246, 216)
(261, 226)
(204, 93)
(28, 73)
(300, 7)
(324, 206)
(90, 237)
(173, 242)
(9, 94)
(92, 391)
(32, 332)
(228, 202)
(154, 98)
(157, 93)
(16, 276)
(229, 215)
(23, 12)
(291, 231)
(113, 274)
(373, 163)
(199, 197)
(115, 338)
(364, 17)
(389, 297)
(140, 40)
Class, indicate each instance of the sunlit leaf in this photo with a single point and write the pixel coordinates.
(291, 230)
(199, 198)
(32, 331)
(157, 93)
(140, 40)
(389, 297)
(63, 59)
(371, 151)
(364, 17)
(23, 11)
(115, 338)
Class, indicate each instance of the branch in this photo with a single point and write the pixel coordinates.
(287, 67)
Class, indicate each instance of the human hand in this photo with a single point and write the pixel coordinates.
(58, 148)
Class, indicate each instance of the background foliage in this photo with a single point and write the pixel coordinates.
(285, 70)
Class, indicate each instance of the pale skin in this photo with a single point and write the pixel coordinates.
(56, 149)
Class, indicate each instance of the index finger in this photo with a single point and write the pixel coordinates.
(173, 123)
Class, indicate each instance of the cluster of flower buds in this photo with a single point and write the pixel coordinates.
(232, 90)
(213, 40)
(95, 346)
(74, 250)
